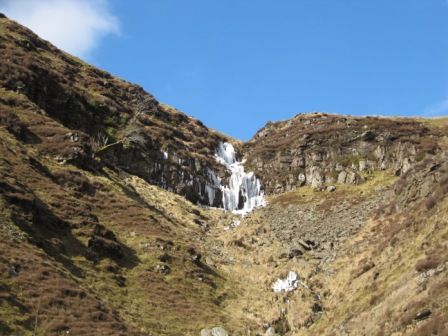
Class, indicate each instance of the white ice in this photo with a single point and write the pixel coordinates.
(286, 285)
(240, 182)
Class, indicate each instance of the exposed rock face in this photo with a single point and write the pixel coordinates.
(182, 174)
(81, 115)
(428, 180)
(317, 149)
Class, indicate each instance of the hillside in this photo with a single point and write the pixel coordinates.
(111, 219)
(318, 148)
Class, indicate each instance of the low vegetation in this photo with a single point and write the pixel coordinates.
(96, 239)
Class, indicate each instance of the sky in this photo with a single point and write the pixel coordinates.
(237, 64)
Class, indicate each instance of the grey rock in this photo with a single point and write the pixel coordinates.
(164, 269)
(270, 332)
(423, 315)
(349, 177)
(331, 188)
(216, 331)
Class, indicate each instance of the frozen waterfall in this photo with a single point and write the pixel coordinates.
(243, 187)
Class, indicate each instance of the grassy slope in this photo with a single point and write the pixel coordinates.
(144, 219)
(53, 280)
(395, 267)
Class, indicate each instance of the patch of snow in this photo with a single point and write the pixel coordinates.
(235, 223)
(286, 285)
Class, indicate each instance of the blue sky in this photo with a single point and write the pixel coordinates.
(236, 64)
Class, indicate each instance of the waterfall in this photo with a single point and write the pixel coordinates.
(243, 193)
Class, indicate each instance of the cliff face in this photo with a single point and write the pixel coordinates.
(318, 149)
(81, 115)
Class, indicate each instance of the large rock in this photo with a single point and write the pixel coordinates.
(270, 332)
(216, 331)
(315, 177)
(349, 177)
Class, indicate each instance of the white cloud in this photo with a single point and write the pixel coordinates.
(438, 109)
(75, 26)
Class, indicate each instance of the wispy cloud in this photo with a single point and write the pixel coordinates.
(438, 109)
(75, 26)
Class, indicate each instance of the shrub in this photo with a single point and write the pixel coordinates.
(99, 141)
(439, 288)
(431, 261)
(430, 202)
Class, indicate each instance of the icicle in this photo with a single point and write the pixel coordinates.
(240, 182)
(210, 189)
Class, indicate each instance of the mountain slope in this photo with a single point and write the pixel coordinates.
(318, 148)
(84, 243)
(53, 94)
(105, 227)
(391, 278)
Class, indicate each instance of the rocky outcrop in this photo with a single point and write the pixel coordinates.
(184, 175)
(318, 149)
(81, 115)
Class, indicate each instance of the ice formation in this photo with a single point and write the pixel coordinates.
(286, 285)
(240, 183)
(210, 189)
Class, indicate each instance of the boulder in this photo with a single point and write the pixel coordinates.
(423, 315)
(368, 136)
(295, 252)
(305, 245)
(315, 177)
(216, 331)
(349, 177)
(195, 256)
(270, 332)
(163, 269)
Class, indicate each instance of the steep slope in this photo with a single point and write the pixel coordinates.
(317, 149)
(391, 278)
(73, 111)
(301, 231)
(89, 244)
(97, 253)
(370, 259)
(103, 228)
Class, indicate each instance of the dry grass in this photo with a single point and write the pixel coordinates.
(436, 325)
(354, 193)
(388, 301)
